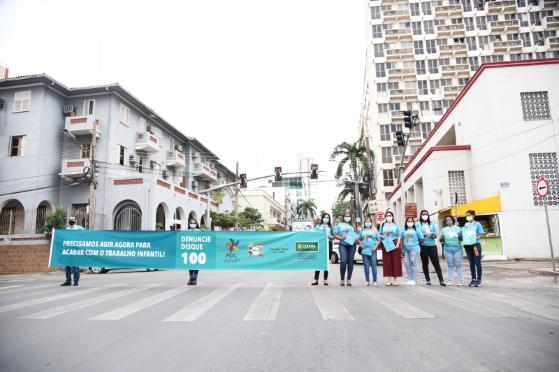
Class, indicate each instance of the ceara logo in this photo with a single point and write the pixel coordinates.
(232, 246)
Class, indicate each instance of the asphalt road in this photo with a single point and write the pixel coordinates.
(273, 321)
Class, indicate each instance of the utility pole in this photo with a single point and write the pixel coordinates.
(412, 122)
(92, 181)
(236, 214)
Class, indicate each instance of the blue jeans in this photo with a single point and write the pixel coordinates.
(69, 270)
(347, 256)
(370, 261)
(454, 261)
(475, 261)
(410, 261)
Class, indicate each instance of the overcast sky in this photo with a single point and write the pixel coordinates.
(257, 81)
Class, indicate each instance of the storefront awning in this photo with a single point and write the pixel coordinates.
(482, 206)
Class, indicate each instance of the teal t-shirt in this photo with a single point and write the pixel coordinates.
(427, 229)
(390, 231)
(75, 227)
(410, 239)
(451, 240)
(325, 227)
(342, 229)
(369, 239)
(470, 231)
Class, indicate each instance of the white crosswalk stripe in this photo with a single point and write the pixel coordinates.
(265, 307)
(63, 309)
(400, 307)
(202, 305)
(10, 286)
(329, 306)
(143, 304)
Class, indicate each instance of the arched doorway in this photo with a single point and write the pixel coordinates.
(127, 216)
(43, 209)
(160, 217)
(12, 218)
(178, 217)
(203, 221)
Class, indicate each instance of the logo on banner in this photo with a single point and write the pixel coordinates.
(232, 246)
(306, 246)
(256, 250)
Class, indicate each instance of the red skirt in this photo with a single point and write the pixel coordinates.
(392, 261)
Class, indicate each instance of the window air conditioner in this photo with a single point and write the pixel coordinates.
(179, 148)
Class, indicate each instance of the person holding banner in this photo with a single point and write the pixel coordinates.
(429, 247)
(69, 270)
(391, 249)
(325, 224)
(412, 237)
(193, 274)
(472, 231)
(368, 240)
(345, 233)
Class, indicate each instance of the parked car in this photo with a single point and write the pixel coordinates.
(335, 256)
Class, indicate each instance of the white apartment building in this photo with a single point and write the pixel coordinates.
(272, 210)
(420, 55)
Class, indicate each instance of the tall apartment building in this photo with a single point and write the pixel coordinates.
(420, 54)
(149, 174)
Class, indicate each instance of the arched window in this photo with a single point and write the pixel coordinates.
(128, 216)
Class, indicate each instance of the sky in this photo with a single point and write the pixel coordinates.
(258, 82)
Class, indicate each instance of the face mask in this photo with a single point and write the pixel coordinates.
(325, 220)
(347, 219)
(410, 224)
(469, 218)
(389, 219)
(72, 222)
(449, 223)
(424, 218)
(368, 224)
(192, 225)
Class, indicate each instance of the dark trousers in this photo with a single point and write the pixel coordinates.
(193, 274)
(347, 258)
(475, 261)
(317, 273)
(430, 253)
(69, 270)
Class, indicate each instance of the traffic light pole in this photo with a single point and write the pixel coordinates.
(236, 214)
(401, 178)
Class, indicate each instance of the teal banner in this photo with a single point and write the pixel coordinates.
(201, 250)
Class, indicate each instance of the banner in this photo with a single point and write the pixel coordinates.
(200, 250)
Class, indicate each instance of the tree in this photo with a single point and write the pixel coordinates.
(251, 218)
(217, 196)
(54, 220)
(223, 220)
(339, 207)
(306, 209)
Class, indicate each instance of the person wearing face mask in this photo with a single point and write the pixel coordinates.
(345, 233)
(391, 249)
(369, 241)
(193, 274)
(429, 247)
(450, 237)
(325, 225)
(472, 231)
(69, 270)
(412, 237)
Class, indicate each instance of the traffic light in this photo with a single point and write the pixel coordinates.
(314, 171)
(408, 119)
(400, 138)
(243, 180)
(277, 172)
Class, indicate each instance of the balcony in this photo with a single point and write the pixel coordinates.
(148, 142)
(507, 46)
(397, 34)
(453, 50)
(397, 116)
(554, 42)
(395, 15)
(452, 91)
(550, 4)
(450, 10)
(81, 125)
(501, 6)
(552, 22)
(204, 172)
(399, 54)
(401, 73)
(451, 30)
(455, 70)
(403, 93)
(74, 168)
(501, 26)
(175, 159)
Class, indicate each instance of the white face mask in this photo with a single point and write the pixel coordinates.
(368, 224)
(469, 218)
(325, 220)
(424, 218)
(192, 225)
(347, 219)
(389, 219)
(410, 224)
(449, 223)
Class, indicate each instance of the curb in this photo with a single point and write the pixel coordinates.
(544, 272)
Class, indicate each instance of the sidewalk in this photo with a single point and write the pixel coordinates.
(522, 267)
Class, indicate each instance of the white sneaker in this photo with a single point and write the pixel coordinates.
(449, 283)
(460, 284)
(375, 284)
(411, 282)
(366, 284)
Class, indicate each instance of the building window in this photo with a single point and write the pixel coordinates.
(385, 132)
(422, 87)
(481, 23)
(544, 165)
(457, 187)
(386, 154)
(414, 148)
(433, 66)
(397, 150)
(379, 50)
(388, 177)
(418, 47)
(414, 8)
(121, 154)
(382, 108)
(471, 42)
(521, 3)
(535, 19)
(85, 150)
(377, 31)
(539, 39)
(484, 42)
(474, 63)
(420, 67)
(22, 101)
(438, 107)
(467, 5)
(535, 105)
(428, 27)
(431, 46)
(380, 69)
(416, 28)
(89, 107)
(469, 24)
(141, 165)
(434, 86)
(463, 81)
(375, 12)
(124, 114)
(526, 42)
(424, 108)
(16, 145)
(425, 129)
(426, 8)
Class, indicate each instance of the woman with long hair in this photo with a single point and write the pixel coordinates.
(368, 240)
(429, 249)
(325, 224)
(411, 238)
(193, 274)
(345, 233)
(391, 249)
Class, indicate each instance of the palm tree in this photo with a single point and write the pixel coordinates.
(306, 209)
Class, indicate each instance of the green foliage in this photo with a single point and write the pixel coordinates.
(217, 196)
(54, 220)
(306, 209)
(250, 217)
(223, 220)
(339, 208)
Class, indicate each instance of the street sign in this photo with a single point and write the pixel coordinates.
(542, 187)
(411, 210)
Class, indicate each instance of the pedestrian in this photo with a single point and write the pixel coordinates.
(369, 242)
(391, 249)
(412, 237)
(472, 231)
(452, 249)
(193, 274)
(345, 233)
(325, 225)
(69, 270)
(429, 247)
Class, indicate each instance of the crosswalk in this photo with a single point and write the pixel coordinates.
(161, 302)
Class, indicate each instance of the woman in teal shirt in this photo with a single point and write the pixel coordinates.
(325, 225)
(429, 247)
(450, 237)
(368, 240)
(411, 238)
(345, 233)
